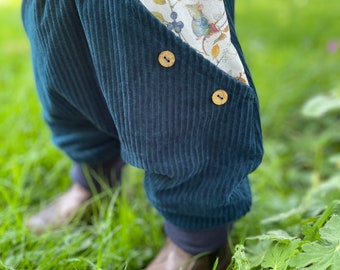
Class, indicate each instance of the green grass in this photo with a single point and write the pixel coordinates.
(285, 42)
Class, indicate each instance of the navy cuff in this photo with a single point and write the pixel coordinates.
(93, 177)
(195, 242)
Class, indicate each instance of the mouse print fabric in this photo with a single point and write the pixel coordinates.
(204, 26)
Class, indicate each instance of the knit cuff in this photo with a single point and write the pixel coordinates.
(94, 177)
(195, 242)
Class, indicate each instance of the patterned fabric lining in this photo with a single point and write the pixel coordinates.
(204, 26)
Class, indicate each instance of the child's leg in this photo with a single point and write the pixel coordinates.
(197, 154)
(71, 99)
(67, 84)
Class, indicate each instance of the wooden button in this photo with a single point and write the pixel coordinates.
(166, 59)
(220, 97)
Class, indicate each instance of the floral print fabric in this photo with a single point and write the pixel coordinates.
(203, 24)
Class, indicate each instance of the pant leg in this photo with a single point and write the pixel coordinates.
(197, 155)
(99, 176)
(73, 105)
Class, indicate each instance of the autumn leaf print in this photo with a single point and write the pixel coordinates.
(215, 51)
(159, 16)
(160, 2)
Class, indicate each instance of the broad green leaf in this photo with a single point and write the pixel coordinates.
(283, 216)
(331, 232)
(275, 235)
(323, 195)
(279, 255)
(323, 254)
(336, 208)
(320, 105)
(256, 252)
(317, 257)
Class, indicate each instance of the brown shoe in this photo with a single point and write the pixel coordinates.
(171, 257)
(59, 212)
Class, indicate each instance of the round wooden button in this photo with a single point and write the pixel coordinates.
(220, 97)
(166, 59)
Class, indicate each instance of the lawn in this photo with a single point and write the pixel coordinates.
(293, 50)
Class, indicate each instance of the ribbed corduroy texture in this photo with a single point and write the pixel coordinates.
(98, 76)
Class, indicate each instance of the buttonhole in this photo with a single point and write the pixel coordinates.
(220, 97)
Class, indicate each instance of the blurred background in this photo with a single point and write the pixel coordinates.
(293, 50)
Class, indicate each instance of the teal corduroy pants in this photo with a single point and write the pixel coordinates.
(105, 94)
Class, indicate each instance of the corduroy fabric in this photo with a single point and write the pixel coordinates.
(73, 104)
(103, 91)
